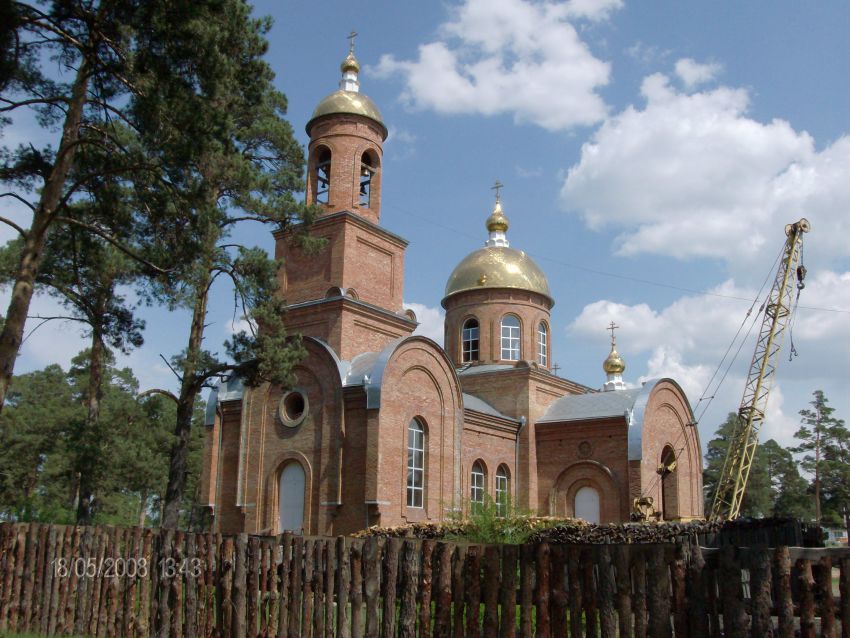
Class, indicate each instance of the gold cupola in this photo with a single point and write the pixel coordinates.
(497, 265)
(614, 366)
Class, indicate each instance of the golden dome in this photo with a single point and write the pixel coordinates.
(614, 364)
(497, 221)
(497, 267)
(348, 102)
(350, 63)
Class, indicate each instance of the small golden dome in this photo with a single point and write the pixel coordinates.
(350, 63)
(497, 221)
(348, 102)
(614, 364)
(497, 267)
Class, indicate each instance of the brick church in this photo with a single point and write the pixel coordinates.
(383, 427)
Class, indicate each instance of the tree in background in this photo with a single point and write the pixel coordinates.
(38, 465)
(825, 446)
(242, 164)
(774, 487)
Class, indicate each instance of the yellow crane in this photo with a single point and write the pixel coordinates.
(777, 314)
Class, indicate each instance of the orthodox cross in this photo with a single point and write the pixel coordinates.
(612, 328)
(497, 187)
(351, 37)
(555, 369)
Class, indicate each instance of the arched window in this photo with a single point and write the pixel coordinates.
(542, 344)
(323, 175)
(291, 505)
(510, 338)
(368, 168)
(477, 480)
(669, 484)
(415, 464)
(587, 504)
(470, 339)
(503, 490)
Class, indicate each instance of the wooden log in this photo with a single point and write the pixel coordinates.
(144, 570)
(574, 577)
(240, 584)
(623, 579)
(472, 590)
(190, 583)
(307, 590)
(38, 578)
(807, 598)
(658, 593)
(713, 598)
(213, 542)
(343, 584)
(17, 584)
(113, 584)
(105, 564)
(319, 576)
(783, 600)
(93, 606)
(8, 556)
(390, 586)
(273, 552)
(696, 594)
(825, 597)
(66, 595)
(294, 614)
(507, 591)
(263, 601)
(225, 589)
(458, 598)
(679, 585)
(59, 590)
(589, 593)
(426, 576)
(372, 586)
(526, 590)
(50, 573)
(125, 550)
(409, 588)
(732, 595)
(542, 568)
(640, 595)
(252, 586)
(490, 590)
(284, 570)
(330, 589)
(607, 593)
(844, 591)
(28, 577)
(443, 604)
(356, 593)
(559, 600)
(760, 586)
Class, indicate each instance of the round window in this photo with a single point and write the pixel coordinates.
(293, 408)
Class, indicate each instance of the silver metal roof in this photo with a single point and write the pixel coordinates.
(471, 402)
(594, 405)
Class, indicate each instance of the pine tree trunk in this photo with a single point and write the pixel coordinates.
(89, 460)
(189, 387)
(143, 507)
(33, 245)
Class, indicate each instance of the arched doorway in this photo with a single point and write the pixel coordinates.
(669, 485)
(587, 504)
(292, 481)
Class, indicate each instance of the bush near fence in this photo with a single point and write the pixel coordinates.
(61, 580)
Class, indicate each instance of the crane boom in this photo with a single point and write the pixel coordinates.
(777, 314)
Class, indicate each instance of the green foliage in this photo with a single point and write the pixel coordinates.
(42, 447)
(774, 488)
(485, 523)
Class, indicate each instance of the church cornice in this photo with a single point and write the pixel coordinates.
(525, 369)
(358, 306)
(349, 216)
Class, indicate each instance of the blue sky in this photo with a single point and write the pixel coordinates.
(651, 153)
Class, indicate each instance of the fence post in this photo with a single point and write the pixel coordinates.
(490, 595)
(343, 580)
(472, 590)
(760, 585)
(294, 612)
(658, 593)
(443, 615)
(319, 578)
(283, 570)
(624, 589)
(844, 588)
(356, 593)
(508, 591)
(409, 582)
(827, 601)
(426, 582)
(558, 601)
(372, 562)
(607, 592)
(732, 595)
(807, 598)
(589, 593)
(526, 592)
(458, 627)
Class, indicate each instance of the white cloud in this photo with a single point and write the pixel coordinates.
(235, 326)
(430, 321)
(510, 57)
(692, 175)
(47, 342)
(692, 73)
(647, 54)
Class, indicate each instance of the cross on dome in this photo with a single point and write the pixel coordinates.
(497, 187)
(612, 328)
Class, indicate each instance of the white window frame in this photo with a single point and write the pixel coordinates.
(503, 490)
(415, 464)
(542, 344)
(477, 484)
(511, 339)
(468, 336)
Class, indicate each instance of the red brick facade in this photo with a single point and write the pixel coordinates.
(373, 407)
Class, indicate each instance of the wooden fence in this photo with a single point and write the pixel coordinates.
(103, 581)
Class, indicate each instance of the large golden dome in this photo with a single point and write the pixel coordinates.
(348, 102)
(497, 267)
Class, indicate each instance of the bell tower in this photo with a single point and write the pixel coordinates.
(350, 293)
